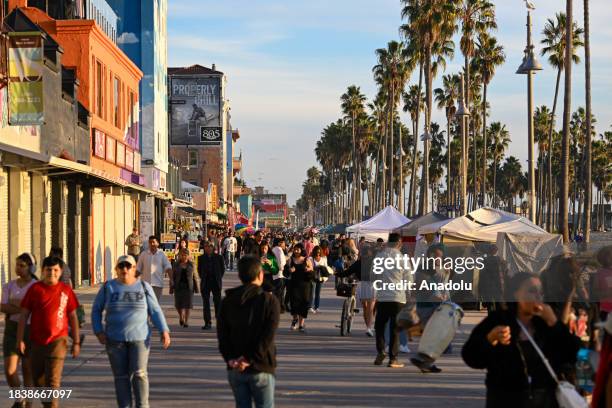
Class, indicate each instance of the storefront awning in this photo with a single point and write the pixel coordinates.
(85, 169)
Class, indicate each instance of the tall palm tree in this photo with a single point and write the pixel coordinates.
(353, 104)
(392, 72)
(554, 47)
(413, 104)
(587, 85)
(500, 139)
(431, 22)
(567, 106)
(477, 17)
(489, 55)
(446, 98)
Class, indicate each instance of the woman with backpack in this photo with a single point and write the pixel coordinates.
(127, 302)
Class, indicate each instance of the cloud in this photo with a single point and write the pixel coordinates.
(127, 38)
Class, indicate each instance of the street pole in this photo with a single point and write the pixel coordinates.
(462, 114)
(528, 67)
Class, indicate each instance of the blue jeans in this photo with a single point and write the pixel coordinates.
(402, 336)
(128, 360)
(249, 388)
(315, 300)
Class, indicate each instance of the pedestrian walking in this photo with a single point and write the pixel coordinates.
(300, 289)
(269, 266)
(127, 301)
(365, 290)
(211, 269)
(280, 283)
(51, 305)
(492, 279)
(602, 392)
(13, 293)
(231, 245)
(516, 375)
(246, 328)
(133, 244)
(308, 245)
(153, 266)
(183, 285)
(389, 303)
(319, 264)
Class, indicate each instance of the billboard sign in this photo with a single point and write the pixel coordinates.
(25, 58)
(195, 111)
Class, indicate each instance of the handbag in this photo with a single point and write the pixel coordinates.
(408, 316)
(567, 396)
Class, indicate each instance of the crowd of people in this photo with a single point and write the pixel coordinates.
(533, 321)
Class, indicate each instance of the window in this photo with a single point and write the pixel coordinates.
(116, 96)
(192, 160)
(99, 89)
(131, 119)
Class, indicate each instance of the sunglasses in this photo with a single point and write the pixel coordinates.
(122, 265)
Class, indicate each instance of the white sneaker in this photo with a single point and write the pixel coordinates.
(317, 310)
(404, 349)
(369, 332)
(311, 310)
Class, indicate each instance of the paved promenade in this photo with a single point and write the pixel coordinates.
(315, 369)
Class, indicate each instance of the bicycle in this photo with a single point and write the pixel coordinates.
(347, 288)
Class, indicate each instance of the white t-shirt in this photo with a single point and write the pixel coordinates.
(153, 266)
(281, 260)
(230, 244)
(12, 291)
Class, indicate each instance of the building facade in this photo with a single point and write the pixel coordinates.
(199, 124)
(95, 192)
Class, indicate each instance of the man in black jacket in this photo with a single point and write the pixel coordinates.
(211, 268)
(246, 326)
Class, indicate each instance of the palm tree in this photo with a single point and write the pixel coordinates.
(446, 98)
(567, 106)
(489, 55)
(431, 23)
(500, 139)
(353, 102)
(392, 72)
(414, 104)
(477, 17)
(587, 85)
(541, 124)
(554, 46)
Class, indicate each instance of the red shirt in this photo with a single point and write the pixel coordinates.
(50, 306)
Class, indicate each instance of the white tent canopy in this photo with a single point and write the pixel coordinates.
(379, 225)
(482, 225)
(529, 252)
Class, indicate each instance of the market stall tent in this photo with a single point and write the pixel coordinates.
(481, 225)
(529, 252)
(379, 225)
(411, 229)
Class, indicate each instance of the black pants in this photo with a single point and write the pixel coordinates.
(387, 312)
(207, 289)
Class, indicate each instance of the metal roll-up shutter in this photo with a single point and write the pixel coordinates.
(4, 227)
(85, 203)
(109, 234)
(98, 245)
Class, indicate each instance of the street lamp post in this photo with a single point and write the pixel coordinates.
(528, 67)
(462, 114)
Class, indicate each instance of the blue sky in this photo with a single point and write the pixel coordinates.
(288, 62)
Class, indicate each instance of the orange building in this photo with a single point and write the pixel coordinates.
(108, 89)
